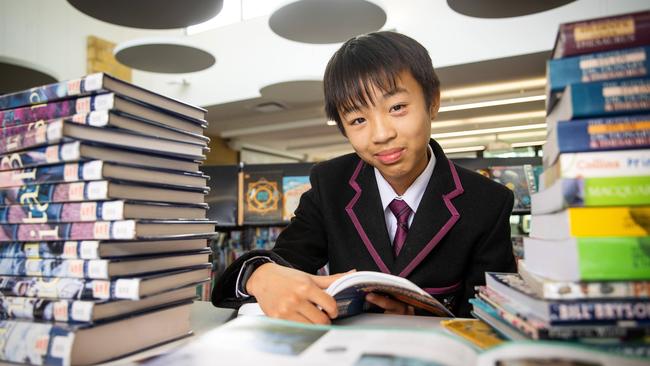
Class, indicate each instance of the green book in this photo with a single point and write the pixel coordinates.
(589, 259)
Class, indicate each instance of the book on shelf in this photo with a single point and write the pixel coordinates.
(84, 151)
(599, 66)
(511, 291)
(597, 134)
(546, 288)
(98, 211)
(518, 178)
(88, 311)
(64, 344)
(589, 259)
(63, 130)
(260, 197)
(101, 268)
(602, 34)
(579, 222)
(99, 170)
(261, 340)
(97, 190)
(94, 84)
(126, 288)
(600, 99)
(619, 163)
(350, 292)
(592, 192)
(292, 189)
(100, 249)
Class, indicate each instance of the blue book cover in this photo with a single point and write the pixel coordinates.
(601, 66)
(625, 132)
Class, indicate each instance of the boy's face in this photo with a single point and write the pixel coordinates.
(392, 135)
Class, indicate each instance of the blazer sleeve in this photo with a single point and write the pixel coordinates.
(301, 245)
(492, 254)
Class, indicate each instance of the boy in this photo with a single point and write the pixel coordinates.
(397, 205)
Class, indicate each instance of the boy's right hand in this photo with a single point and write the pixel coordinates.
(289, 294)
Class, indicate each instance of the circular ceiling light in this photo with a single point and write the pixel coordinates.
(150, 14)
(331, 21)
(295, 91)
(163, 55)
(16, 77)
(503, 8)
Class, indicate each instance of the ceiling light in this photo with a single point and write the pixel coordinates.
(463, 149)
(529, 143)
(493, 88)
(331, 123)
(488, 131)
(269, 107)
(488, 119)
(491, 103)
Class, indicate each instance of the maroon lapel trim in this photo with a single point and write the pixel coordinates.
(455, 216)
(355, 221)
(442, 290)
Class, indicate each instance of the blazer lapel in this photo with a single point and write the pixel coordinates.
(435, 216)
(366, 213)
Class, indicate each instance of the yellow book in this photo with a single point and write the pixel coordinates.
(633, 221)
(475, 331)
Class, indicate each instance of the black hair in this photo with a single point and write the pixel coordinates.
(374, 60)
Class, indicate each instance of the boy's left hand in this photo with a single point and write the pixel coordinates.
(390, 306)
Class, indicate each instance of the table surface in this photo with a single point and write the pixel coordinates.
(206, 317)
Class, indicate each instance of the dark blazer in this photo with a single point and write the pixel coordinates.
(460, 230)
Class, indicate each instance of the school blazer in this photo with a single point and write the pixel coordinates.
(461, 229)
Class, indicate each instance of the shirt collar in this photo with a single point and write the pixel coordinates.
(414, 193)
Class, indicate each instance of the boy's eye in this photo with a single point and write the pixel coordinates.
(357, 121)
(397, 107)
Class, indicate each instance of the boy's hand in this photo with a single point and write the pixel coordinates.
(289, 294)
(390, 306)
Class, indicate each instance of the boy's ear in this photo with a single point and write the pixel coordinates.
(435, 105)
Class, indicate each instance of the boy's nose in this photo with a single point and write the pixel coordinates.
(383, 130)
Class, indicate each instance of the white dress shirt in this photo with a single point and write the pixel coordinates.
(412, 196)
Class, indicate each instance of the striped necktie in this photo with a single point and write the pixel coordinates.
(402, 211)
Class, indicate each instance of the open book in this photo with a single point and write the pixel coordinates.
(266, 341)
(350, 294)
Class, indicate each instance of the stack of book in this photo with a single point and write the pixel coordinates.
(586, 268)
(103, 229)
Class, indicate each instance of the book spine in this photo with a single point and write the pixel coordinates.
(62, 212)
(618, 259)
(36, 194)
(603, 134)
(71, 268)
(42, 133)
(595, 290)
(606, 191)
(46, 309)
(70, 231)
(608, 221)
(51, 92)
(61, 109)
(598, 164)
(619, 64)
(41, 156)
(610, 97)
(70, 288)
(596, 311)
(84, 249)
(35, 343)
(603, 34)
(71, 172)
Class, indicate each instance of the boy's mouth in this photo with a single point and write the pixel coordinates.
(389, 156)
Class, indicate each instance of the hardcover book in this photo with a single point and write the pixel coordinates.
(102, 269)
(98, 211)
(99, 230)
(292, 189)
(83, 151)
(261, 198)
(64, 130)
(592, 192)
(98, 170)
(519, 179)
(64, 344)
(38, 194)
(95, 249)
(578, 222)
(619, 64)
(600, 99)
(597, 134)
(95, 84)
(602, 34)
(589, 259)
(128, 288)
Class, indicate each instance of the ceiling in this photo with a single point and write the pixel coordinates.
(265, 92)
